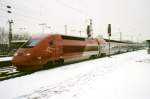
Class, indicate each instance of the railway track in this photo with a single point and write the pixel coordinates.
(9, 72)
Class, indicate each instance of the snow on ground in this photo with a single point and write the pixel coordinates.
(5, 58)
(124, 76)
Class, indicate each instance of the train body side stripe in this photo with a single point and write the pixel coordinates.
(89, 53)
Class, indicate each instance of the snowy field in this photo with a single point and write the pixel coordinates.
(124, 76)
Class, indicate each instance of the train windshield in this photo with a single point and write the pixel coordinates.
(31, 43)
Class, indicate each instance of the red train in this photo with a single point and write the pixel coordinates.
(41, 51)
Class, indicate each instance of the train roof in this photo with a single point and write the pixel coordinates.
(67, 37)
(44, 35)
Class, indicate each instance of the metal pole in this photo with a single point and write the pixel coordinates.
(48, 27)
(91, 28)
(119, 43)
(120, 36)
(66, 29)
(10, 27)
(80, 33)
(109, 34)
(148, 45)
(10, 32)
(43, 26)
(109, 45)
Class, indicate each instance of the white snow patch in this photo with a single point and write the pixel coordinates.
(124, 76)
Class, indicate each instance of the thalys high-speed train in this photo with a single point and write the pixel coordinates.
(42, 51)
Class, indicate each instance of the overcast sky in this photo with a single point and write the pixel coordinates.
(131, 17)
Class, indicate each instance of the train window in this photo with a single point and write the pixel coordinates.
(51, 42)
(31, 43)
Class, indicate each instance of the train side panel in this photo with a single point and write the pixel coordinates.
(78, 48)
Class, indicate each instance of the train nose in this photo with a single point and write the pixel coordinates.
(19, 60)
(22, 56)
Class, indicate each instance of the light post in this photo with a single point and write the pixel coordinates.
(66, 29)
(10, 26)
(43, 26)
(9, 8)
(80, 31)
(89, 29)
(120, 33)
(148, 45)
(48, 27)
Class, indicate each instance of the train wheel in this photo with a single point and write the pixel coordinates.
(103, 54)
(59, 62)
(49, 64)
(93, 56)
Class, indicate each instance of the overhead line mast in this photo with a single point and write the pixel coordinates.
(10, 26)
(109, 35)
(89, 29)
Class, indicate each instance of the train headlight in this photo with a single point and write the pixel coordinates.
(28, 54)
(15, 54)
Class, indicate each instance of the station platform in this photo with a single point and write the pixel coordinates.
(5, 61)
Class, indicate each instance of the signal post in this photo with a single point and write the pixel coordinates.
(109, 35)
(148, 44)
